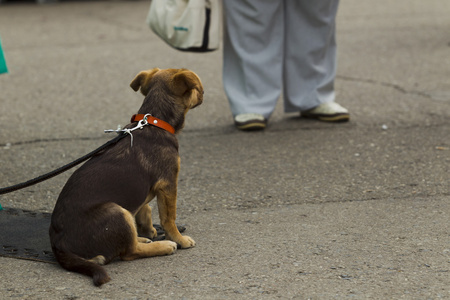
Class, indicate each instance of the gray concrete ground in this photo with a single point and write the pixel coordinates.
(302, 210)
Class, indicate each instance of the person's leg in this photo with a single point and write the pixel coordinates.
(310, 53)
(253, 54)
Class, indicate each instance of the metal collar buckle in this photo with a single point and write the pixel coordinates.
(139, 125)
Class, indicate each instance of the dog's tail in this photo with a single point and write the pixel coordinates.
(75, 263)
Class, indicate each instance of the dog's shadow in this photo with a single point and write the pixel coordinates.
(161, 235)
(25, 235)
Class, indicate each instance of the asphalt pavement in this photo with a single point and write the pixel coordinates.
(302, 210)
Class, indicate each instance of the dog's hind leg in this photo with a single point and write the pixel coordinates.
(143, 240)
(140, 249)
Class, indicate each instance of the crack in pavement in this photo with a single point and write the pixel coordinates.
(386, 84)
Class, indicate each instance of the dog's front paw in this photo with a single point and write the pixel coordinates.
(147, 231)
(186, 242)
(153, 233)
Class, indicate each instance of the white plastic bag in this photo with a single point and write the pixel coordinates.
(188, 25)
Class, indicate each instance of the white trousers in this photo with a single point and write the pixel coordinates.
(279, 46)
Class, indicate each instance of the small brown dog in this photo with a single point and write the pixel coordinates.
(104, 205)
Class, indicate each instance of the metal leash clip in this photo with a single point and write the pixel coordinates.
(139, 125)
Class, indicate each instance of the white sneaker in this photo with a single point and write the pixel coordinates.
(249, 122)
(328, 112)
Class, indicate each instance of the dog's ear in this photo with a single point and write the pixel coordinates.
(188, 85)
(142, 80)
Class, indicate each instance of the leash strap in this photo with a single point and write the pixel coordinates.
(61, 169)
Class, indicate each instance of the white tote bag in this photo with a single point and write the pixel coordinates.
(188, 25)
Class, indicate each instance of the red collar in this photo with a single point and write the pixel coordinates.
(153, 121)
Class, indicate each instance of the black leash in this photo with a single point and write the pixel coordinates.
(61, 169)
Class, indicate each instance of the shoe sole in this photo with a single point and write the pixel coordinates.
(329, 118)
(250, 126)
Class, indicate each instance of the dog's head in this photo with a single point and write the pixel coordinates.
(181, 84)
